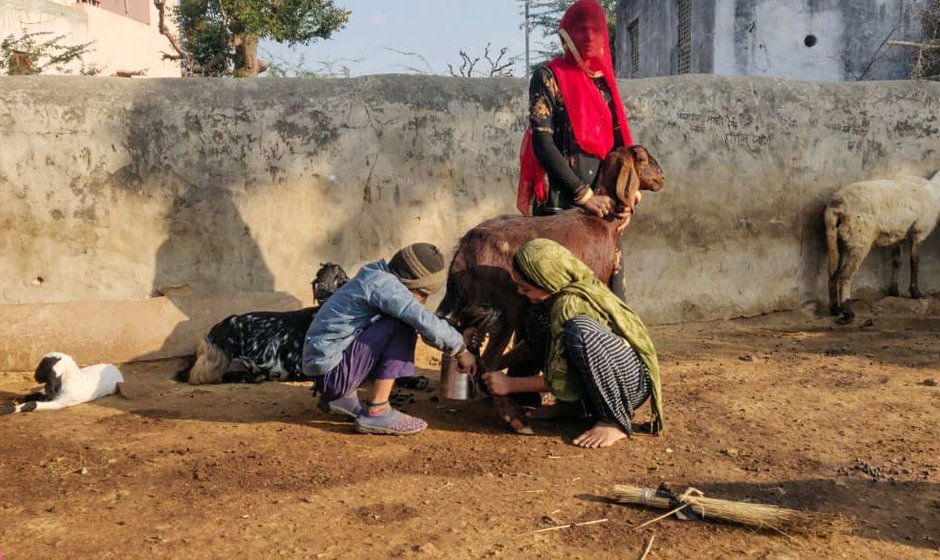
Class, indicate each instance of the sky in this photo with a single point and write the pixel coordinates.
(379, 33)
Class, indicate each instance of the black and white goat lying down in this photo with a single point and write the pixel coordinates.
(262, 345)
(65, 384)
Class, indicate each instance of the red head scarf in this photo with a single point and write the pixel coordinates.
(590, 117)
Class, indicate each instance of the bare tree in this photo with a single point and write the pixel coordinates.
(925, 61)
(926, 64)
(501, 66)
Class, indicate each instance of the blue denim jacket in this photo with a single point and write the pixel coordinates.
(372, 292)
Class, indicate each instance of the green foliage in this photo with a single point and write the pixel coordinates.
(544, 16)
(205, 36)
(39, 51)
(287, 21)
(217, 33)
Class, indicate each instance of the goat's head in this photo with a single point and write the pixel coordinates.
(330, 277)
(50, 370)
(627, 170)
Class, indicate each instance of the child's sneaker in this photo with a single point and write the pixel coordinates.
(389, 421)
(348, 406)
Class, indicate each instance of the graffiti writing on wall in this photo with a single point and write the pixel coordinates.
(848, 127)
(729, 125)
(733, 138)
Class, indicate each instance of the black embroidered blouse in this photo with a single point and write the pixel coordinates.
(569, 169)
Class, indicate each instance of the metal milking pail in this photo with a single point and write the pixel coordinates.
(455, 385)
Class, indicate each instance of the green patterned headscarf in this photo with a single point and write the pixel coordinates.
(576, 291)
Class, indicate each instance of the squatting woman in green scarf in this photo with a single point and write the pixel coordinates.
(599, 351)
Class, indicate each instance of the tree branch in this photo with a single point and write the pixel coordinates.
(181, 55)
(924, 46)
(880, 53)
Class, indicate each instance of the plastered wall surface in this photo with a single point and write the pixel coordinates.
(826, 40)
(119, 190)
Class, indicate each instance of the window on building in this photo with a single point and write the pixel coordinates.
(684, 49)
(634, 31)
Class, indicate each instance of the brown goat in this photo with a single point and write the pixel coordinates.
(480, 272)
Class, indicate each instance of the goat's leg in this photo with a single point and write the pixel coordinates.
(893, 289)
(852, 259)
(497, 344)
(39, 395)
(506, 407)
(834, 250)
(509, 412)
(835, 298)
(835, 295)
(915, 269)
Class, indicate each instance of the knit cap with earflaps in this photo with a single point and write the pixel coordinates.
(420, 267)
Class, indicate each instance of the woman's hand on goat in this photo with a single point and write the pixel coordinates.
(498, 383)
(466, 362)
(625, 213)
(600, 205)
(637, 197)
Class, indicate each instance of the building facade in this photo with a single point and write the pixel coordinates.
(820, 40)
(124, 33)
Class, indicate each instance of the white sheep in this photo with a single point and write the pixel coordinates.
(67, 385)
(877, 213)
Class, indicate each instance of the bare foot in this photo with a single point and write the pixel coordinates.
(601, 435)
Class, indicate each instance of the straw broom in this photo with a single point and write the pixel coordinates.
(761, 516)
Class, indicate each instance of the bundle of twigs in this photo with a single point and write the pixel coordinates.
(693, 503)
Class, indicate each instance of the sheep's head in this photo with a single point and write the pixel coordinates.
(628, 169)
(330, 278)
(51, 369)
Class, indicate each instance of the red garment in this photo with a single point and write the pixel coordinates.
(589, 114)
(531, 176)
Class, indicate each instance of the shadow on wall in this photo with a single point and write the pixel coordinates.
(191, 145)
(208, 147)
(209, 250)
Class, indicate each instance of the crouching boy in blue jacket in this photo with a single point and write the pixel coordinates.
(368, 330)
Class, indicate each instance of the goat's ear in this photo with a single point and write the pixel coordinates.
(639, 152)
(642, 156)
(53, 386)
(628, 183)
(46, 369)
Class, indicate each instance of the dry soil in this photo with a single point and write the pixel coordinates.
(788, 409)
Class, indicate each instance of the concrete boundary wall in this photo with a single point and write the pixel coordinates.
(120, 190)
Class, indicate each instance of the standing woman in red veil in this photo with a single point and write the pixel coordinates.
(576, 117)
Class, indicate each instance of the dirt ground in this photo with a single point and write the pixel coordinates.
(788, 409)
